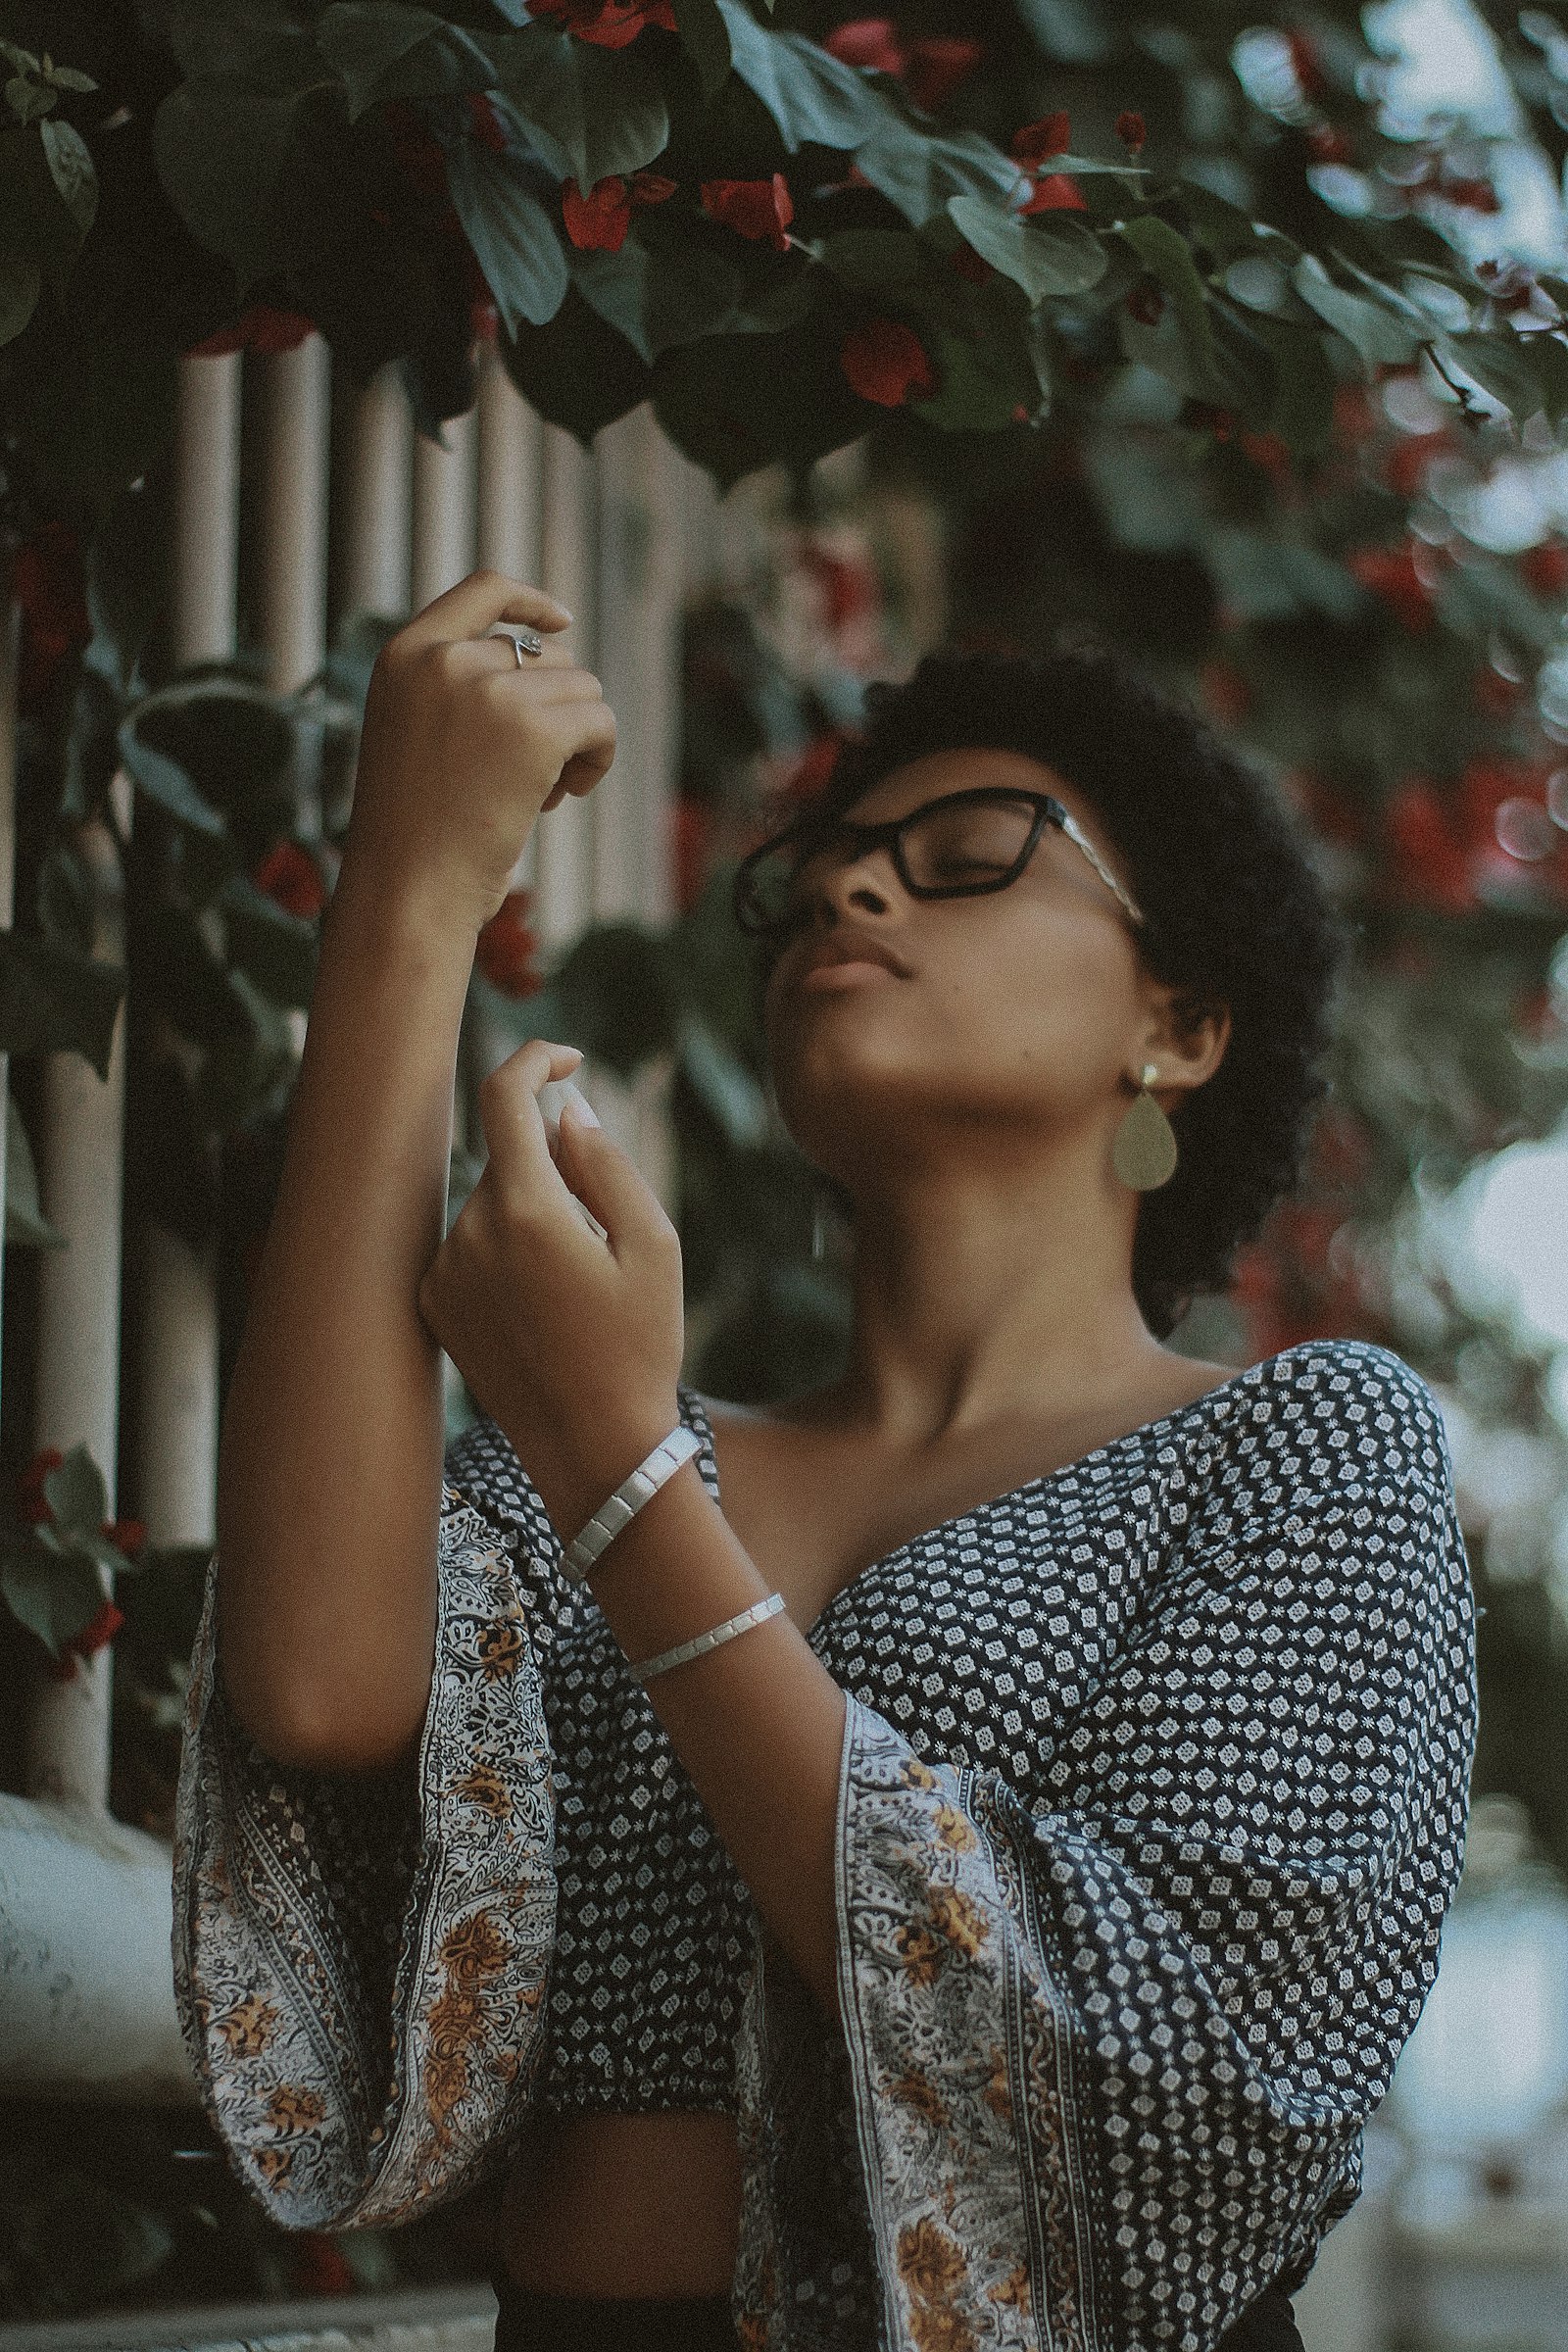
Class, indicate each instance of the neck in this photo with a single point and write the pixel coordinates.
(991, 1286)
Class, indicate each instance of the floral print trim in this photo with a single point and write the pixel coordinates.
(342, 2099)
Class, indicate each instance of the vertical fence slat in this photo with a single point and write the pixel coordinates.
(81, 1162)
(377, 492)
(176, 1372)
(563, 840)
(10, 665)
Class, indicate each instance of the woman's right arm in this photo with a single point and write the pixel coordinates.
(331, 1453)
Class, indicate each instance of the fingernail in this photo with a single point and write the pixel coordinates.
(578, 1109)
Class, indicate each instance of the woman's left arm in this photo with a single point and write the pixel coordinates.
(573, 1344)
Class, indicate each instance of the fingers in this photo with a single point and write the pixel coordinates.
(469, 607)
(521, 1165)
(610, 1185)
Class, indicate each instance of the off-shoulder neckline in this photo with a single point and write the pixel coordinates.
(1045, 1478)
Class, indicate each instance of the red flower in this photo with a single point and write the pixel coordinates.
(1354, 418)
(849, 590)
(1545, 567)
(1430, 857)
(506, 948)
(1406, 463)
(1225, 690)
(1328, 144)
(96, 1634)
(1130, 130)
(129, 1535)
(608, 23)
(1393, 573)
(885, 361)
(1495, 694)
(871, 42)
(809, 774)
(32, 1504)
(651, 187)
(318, 2266)
(691, 839)
(1054, 192)
(937, 66)
(1205, 417)
(1272, 454)
(259, 328)
(290, 876)
(1476, 195)
(598, 222)
(1304, 60)
(1051, 135)
(487, 126)
(753, 208)
(419, 157)
(47, 582)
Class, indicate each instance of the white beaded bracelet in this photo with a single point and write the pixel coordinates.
(699, 1646)
(626, 1502)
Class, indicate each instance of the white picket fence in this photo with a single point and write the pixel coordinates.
(354, 510)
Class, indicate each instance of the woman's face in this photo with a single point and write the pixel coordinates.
(1022, 1009)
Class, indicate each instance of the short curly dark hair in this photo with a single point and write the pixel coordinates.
(1237, 913)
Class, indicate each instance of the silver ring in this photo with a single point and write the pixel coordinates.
(524, 640)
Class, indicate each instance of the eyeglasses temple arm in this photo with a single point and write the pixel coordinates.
(1075, 833)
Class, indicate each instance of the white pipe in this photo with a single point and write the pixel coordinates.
(10, 665)
(640, 588)
(88, 1990)
(205, 523)
(564, 855)
(376, 493)
(80, 1166)
(442, 549)
(296, 398)
(176, 1373)
(508, 492)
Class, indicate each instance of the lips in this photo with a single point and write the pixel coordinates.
(853, 947)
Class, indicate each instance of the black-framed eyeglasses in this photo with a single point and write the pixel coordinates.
(958, 847)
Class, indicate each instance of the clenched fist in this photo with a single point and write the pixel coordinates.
(463, 746)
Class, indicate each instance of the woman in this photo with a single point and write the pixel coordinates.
(1000, 1933)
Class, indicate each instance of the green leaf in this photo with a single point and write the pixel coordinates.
(1301, 402)
(55, 1596)
(364, 39)
(20, 283)
(577, 370)
(25, 1221)
(75, 1492)
(705, 36)
(513, 236)
(1372, 332)
(28, 99)
(723, 1085)
(981, 382)
(873, 261)
(1166, 251)
(918, 172)
(1058, 256)
(617, 286)
(165, 781)
(594, 112)
(613, 990)
(810, 94)
(70, 167)
(222, 147)
(66, 77)
(53, 999)
(1548, 356)
(1499, 365)
(277, 949)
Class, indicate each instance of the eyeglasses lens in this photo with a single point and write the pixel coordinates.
(953, 846)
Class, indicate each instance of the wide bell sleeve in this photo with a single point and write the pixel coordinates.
(1109, 2051)
(361, 1960)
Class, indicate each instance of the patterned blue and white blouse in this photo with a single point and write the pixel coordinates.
(1151, 1806)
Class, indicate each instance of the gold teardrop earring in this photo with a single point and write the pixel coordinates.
(1144, 1153)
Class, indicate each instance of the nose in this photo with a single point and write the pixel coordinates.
(837, 882)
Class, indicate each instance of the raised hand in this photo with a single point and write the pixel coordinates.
(463, 746)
